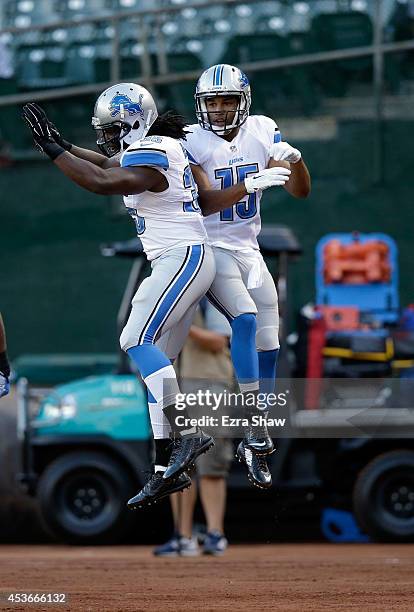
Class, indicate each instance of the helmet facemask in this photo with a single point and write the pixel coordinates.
(109, 137)
(240, 113)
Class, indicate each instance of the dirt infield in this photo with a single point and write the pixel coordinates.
(267, 577)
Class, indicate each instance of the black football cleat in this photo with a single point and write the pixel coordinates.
(157, 488)
(256, 435)
(185, 451)
(257, 468)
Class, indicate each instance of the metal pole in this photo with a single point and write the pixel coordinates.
(378, 84)
(250, 67)
(115, 58)
(161, 48)
(146, 59)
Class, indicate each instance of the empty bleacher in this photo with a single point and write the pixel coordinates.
(189, 39)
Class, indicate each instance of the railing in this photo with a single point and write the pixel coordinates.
(149, 80)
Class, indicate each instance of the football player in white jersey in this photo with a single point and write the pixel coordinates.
(160, 194)
(226, 146)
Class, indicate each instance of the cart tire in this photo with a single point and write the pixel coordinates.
(82, 498)
(383, 497)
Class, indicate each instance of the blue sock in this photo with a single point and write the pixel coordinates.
(243, 348)
(267, 370)
(148, 359)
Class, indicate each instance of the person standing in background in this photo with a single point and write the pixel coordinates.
(206, 355)
(4, 362)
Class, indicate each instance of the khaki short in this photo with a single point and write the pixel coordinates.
(216, 462)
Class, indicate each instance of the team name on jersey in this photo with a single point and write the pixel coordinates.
(157, 139)
(235, 160)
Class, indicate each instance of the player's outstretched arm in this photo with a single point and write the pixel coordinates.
(95, 158)
(112, 181)
(284, 155)
(92, 156)
(215, 200)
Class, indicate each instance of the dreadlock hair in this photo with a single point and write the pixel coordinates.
(169, 124)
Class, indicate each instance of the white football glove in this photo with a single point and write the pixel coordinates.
(271, 177)
(283, 151)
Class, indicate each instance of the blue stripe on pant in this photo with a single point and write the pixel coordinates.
(173, 293)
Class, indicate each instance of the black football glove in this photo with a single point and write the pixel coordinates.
(57, 136)
(42, 135)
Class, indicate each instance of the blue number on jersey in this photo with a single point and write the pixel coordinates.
(189, 183)
(226, 179)
(139, 221)
(245, 209)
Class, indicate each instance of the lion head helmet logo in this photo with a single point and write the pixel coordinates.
(244, 81)
(122, 104)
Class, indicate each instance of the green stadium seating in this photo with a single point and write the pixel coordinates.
(267, 85)
(336, 31)
(251, 48)
(180, 96)
(79, 66)
(274, 88)
(40, 66)
(130, 62)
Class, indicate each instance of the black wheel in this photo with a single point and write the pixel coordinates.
(384, 497)
(82, 498)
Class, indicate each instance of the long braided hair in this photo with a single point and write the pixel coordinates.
(169, 124)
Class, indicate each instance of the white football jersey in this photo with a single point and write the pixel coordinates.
(227, 163)
(172, 218)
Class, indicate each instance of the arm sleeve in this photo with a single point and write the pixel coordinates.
(155, 151)
(145, 156)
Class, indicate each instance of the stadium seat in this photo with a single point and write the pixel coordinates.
(345, 30)
(24, 13)
(400, 28)
(180, 96)
(40, 66)
(73, 116)
(267, 85)
(12, 130)
(74, 9)
(336, 31)
(279, 87)
(79, 66)
(253, 48)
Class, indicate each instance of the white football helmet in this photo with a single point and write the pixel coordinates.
(123, 114)
(223, 80)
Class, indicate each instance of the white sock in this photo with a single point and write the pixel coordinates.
(160, 425)
(163, 386)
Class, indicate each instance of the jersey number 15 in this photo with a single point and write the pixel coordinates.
(247, 208)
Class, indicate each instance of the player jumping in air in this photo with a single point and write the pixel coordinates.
(160, 194)
(226, 146)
